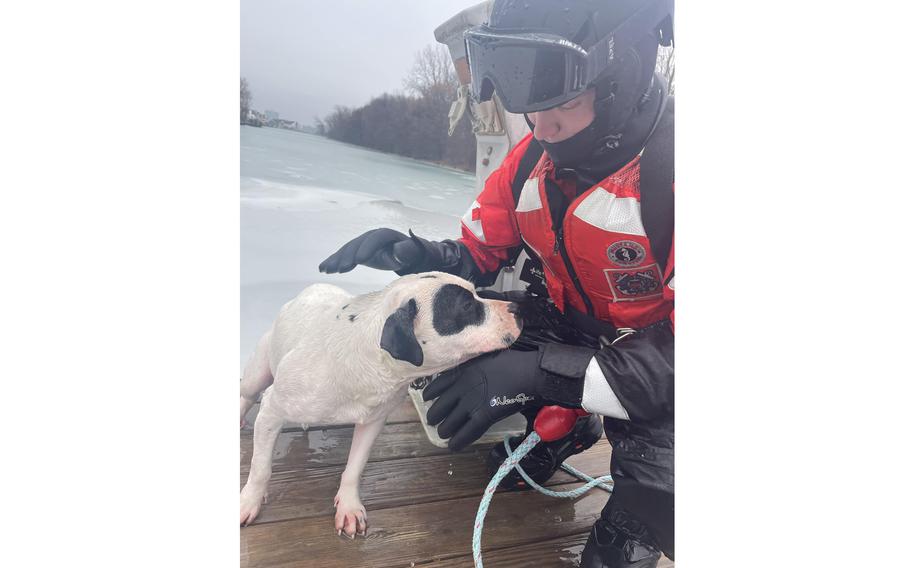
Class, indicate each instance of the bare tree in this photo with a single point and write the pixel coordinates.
(414, 124)
(246, 99)
(666, 65)
(432, 73)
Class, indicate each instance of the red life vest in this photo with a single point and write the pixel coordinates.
(599, 262)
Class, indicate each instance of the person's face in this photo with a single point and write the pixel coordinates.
(567, 120)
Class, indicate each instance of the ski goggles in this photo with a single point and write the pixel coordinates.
(531, 72)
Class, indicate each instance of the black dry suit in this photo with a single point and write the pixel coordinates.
(638, 518)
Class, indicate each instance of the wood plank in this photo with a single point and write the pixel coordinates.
(299, 449)
(308, 492)
(404, 412)
(559, 552)
(421, 533)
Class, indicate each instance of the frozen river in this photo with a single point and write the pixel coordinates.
(303, 196)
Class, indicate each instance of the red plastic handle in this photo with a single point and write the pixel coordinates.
(555, 422)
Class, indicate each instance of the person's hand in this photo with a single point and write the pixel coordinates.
(383, 249)
(473, 396)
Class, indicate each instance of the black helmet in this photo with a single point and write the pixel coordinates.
(539, 54)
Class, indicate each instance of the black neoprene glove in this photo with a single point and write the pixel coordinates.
(387, 249)
(473, 396)
(383, 249)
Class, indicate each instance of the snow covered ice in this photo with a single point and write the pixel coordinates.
(303, 196)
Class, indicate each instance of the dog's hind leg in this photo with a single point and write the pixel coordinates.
(257, 376)
(265, 433)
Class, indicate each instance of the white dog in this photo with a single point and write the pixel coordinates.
(331, 358)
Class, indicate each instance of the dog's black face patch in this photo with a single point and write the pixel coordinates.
(454, 308)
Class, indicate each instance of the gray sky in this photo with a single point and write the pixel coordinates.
(303, 57)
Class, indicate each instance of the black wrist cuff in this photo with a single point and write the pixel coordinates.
(564, 369)
(443, 256)
(566, 360)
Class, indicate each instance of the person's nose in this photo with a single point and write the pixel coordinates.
(545, 124)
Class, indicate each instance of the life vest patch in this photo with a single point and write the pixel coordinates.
(638, 284)
(626, 253)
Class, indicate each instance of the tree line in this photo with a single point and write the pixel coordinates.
(416, 124)
(413, 124)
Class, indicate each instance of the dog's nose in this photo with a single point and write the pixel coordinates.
(513, 307)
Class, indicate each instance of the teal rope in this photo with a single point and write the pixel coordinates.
(512, 462)
(599, 482)
(581, 475)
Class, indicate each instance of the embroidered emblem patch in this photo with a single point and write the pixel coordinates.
(626, 253)
(637, 284)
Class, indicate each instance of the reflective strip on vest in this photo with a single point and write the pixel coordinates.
(529, 199)
(605, 211)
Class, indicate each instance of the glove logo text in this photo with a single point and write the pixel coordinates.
(520, 398)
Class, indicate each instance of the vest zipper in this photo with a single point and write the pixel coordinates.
(559, 247)
(558, 209)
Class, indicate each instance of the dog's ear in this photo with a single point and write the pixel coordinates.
(398, 335)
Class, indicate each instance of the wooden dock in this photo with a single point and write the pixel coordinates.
(420, 500)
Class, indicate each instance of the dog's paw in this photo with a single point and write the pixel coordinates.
(250, 503)
(350, 516)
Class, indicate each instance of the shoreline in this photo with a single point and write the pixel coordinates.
(367, 148)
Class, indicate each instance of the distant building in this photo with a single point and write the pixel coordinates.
(282, 123)
(271, 115)
(254, 118)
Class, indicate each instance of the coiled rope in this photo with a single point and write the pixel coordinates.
(512, 462)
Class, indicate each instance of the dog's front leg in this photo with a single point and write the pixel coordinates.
(350, 516)
(265, 433)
